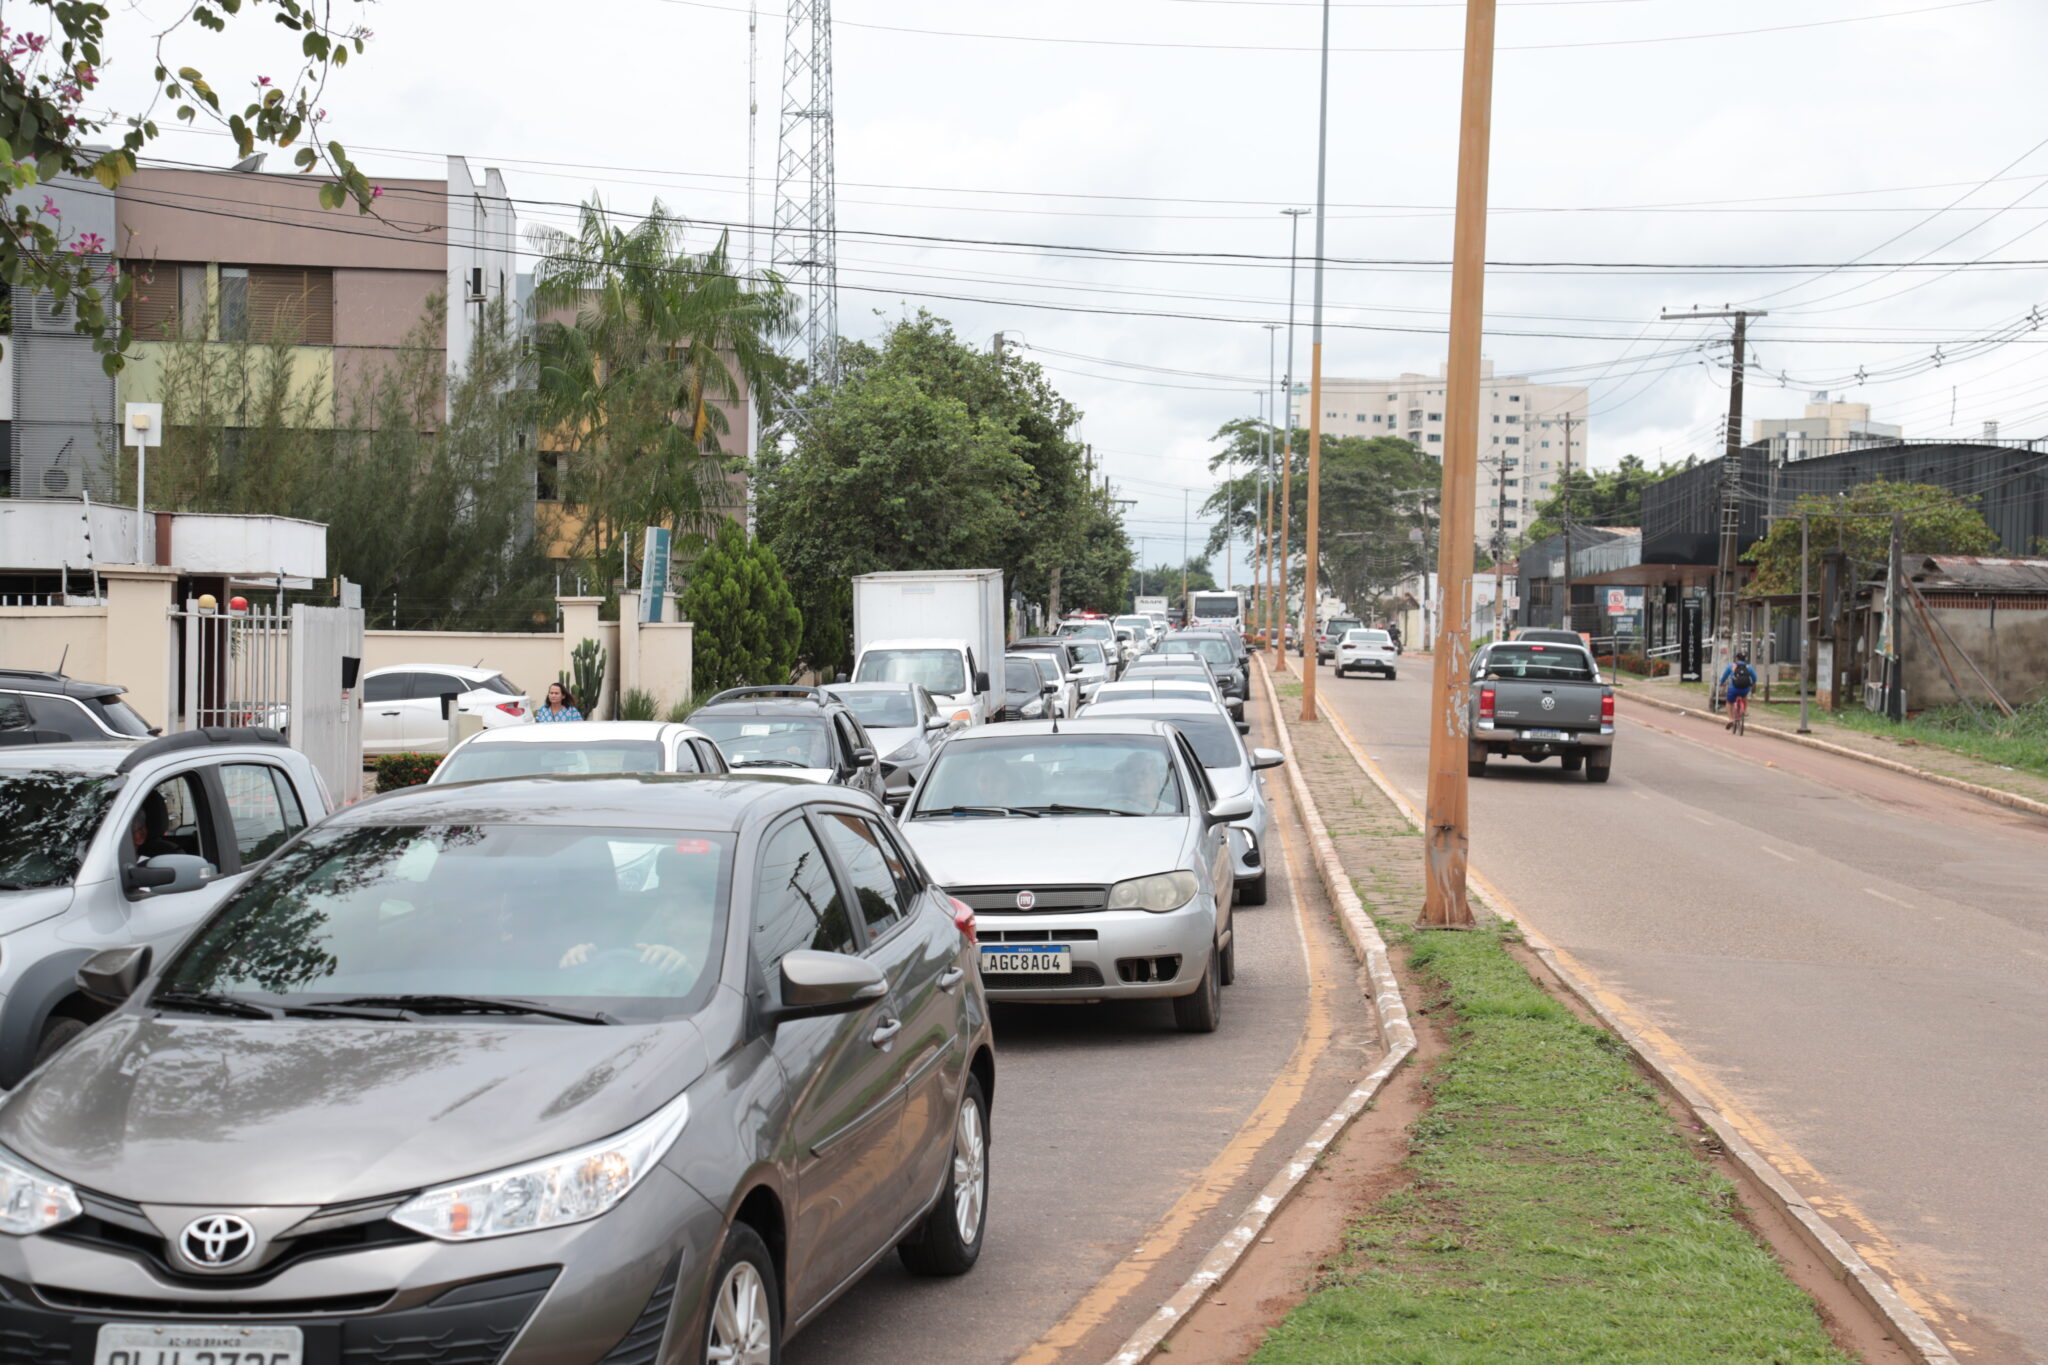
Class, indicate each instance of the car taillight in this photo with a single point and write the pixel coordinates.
(1607, 709)
(963, 917)
(511, 708)
(1486, 703)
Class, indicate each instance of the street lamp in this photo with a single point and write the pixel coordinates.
(1311, 546)
(1287, 429)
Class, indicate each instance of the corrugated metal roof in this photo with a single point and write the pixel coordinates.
(1981, 573)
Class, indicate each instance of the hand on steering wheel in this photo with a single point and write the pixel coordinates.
(660, 956)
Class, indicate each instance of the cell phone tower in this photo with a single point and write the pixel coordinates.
(805, 249)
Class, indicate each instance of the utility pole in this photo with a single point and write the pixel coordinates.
(1446, 836)
(1287, 431)
(1189, 619)
(1566, 514)
(1804, 631)
(1313, 539)
(1266, 567)
(1500, 544)
(1731, 491)
(1894, 605)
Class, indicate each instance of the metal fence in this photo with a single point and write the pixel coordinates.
(235, 667)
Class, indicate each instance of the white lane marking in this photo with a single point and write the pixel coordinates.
(1701, 818)
(1873, 891)
(1775, 854)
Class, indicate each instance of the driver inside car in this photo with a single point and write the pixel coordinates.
(678, 908)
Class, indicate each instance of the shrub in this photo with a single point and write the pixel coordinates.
(638, 705)
(748, 628)
(404, 770)
(679, 711)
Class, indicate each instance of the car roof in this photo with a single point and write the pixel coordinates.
(1154, 706)
(83, 756)
(1146, 686)
(837, 688)
(468, 672)
(623, 800)
(54, 684)
(1079, 728)
(661, 730)
(123, 755)
(951, 646)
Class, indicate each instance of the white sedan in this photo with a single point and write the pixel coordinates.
(402, 705)
(1363, 650)
(597, 746)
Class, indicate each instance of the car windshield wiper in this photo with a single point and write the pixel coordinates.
(473, 1004)
(767, 763)
(14, 886)
(979, 810)
(211, 1002)
(1061, 809)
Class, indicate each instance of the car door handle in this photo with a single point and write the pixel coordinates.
(886, 1034)
(952, 979)
(391, 713)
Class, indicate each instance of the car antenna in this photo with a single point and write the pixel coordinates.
(61, 658)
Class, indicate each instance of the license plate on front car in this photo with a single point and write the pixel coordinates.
(1545, 734)
(183, 1344)
(1027, 957)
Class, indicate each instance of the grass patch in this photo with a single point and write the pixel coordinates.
(1286, 688)
(1552, 1215)
(2020, 743)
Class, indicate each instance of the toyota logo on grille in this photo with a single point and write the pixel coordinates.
(1550, 703)
(1026, 899)
(217, 1241)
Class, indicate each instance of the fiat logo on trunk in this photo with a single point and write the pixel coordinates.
(1026, 899)
(217, 1241)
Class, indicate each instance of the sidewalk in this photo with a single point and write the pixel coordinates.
(1782, 716)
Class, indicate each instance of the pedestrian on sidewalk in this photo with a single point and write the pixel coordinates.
(561, 705)
(1738, 680)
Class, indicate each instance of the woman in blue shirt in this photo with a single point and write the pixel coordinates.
(560, 705)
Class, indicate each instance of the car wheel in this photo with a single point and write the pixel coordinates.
(1391, 675)
(1475, 762)
(1599, 772)
(948, 1241)
(1227, 961)
(743, 1322)
(1200, 1011)
(57, 1035)
(1252, 892)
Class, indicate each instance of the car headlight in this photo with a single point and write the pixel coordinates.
(1158, 893)
(1033, 708)
(30, 1201)
(553, 1192)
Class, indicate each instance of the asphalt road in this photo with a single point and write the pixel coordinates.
(1106, 1121)
(1858, 958)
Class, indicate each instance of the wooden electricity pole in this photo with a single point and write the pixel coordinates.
(1312, 537)
(1446, 838)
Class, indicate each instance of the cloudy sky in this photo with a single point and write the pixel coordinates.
(1103, 182)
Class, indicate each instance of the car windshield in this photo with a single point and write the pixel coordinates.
(769, 741)
(1214, 651)
(120, 717)
(629, 921)
(1550, 662)
(1021, 675)
(1170, 672)
(1047, 666)
(1091, 773)
(496, 683)
(890, 710)
(477, 762)
(1215, 608)
(1089, 630)
(1088, 651)
(1137, 625)
(1213, 738)
(939, 671)
(47, 820)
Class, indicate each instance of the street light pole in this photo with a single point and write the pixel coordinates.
(1287, 430)
(1446, 837)
(1312, 545)
(1272, 407)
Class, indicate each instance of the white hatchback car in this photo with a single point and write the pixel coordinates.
(402, 705)
(599, 746)
(1363, 650)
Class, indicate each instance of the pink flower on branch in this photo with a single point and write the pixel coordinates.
(88, 244)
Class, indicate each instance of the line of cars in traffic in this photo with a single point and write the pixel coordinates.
(614, 1042)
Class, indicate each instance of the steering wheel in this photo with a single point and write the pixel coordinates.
(631, 955)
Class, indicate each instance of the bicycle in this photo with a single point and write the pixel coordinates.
(1738, 712)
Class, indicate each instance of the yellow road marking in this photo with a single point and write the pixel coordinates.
(1870, 1241)
(1230, 1164)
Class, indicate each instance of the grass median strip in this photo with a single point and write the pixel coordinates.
(1552, 1212)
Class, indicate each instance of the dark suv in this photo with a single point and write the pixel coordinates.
(794, 731)
(49, 708)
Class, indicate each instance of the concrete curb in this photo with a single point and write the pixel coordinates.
(1870, 1288)
(1977, 789)
(1392, 1012)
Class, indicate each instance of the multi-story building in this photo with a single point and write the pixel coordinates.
(1527, 433)
(1827, 429)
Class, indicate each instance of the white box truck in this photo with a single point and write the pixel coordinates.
(1150, 606)
(940, 627)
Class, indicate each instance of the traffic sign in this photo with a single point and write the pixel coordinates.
(1617, 601)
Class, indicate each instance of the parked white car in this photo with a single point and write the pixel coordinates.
(402, 705)
(602, 746)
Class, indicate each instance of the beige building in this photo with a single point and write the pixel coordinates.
(1526, 432)
(1827, 427)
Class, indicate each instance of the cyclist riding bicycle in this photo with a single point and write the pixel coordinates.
(1738, 680)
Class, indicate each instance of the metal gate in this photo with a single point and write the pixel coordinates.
(326, 705)
(235, 667)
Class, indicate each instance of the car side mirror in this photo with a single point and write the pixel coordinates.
(1048, 688)
(863, 756)
(111, 976)
(981, 680)
(814, 984)
(1267, 758)
(1076, 671)
(168, 873)
(1244, 727)
(936, 723)
(1230, 808)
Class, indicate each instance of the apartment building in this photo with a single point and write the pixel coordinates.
(1527, 432)
(1829, 427)
(233, 256)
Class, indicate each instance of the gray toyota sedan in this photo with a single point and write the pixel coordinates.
(559, 1071)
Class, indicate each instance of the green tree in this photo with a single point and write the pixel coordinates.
(639, 342)
(52, 123)
(1600, 497)
(1859, 521)
(1163, 580)
(747, 623)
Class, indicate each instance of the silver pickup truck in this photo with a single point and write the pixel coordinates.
(1538, 701)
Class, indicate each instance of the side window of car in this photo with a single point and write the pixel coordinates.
(859, 848)
(387, 687)
(63, 716)
(174, 817)
(842, 725)
(13, 712)
(709, 760)
(796, 900)
(261, 806)
(1204, 794)
(434, 684)
(687, 760)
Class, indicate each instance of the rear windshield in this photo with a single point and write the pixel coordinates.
(47, 820)
(119, 716)
(1367, 637)
(1116, 774)
(1213, 650)
(492, 762)
(1560, 663)
(1021, 675)
(496, 683)
(891, 710)
(768, 741)
(1213, 739)
(1088, 651)
(941, 672)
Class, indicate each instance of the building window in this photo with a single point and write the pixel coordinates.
(547, 476)
(1546, 445)
(1436, 417)
(290, 305)
(1496, 417)
(1436, 436)
(1514, 440)
(1496, 440)
(1513, 417)
(1546, 464)
(165, 300)
(1514, 398)
(1510, 483)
